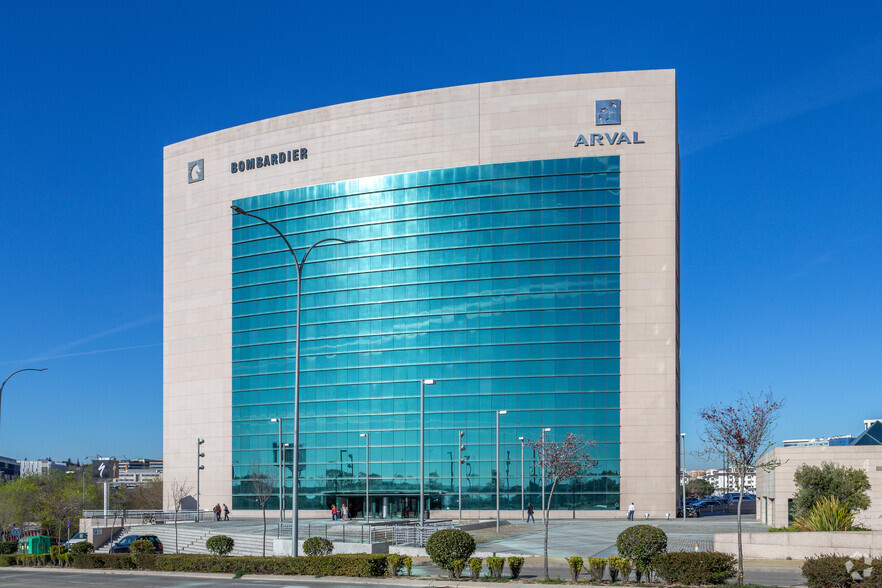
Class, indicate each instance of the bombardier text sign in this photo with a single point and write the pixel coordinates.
(268, 160)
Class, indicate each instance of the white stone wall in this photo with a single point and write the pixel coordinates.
(497, 122)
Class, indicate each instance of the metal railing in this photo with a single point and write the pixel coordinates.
(344, 533)
(149, 517)
(416, 534)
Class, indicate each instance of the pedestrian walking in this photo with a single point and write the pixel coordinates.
(530, 512)
(333, 512)
(631, 510)
(345, 512)
(217, 511)
(226, 513)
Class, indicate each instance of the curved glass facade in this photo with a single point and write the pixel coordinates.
(500, 281)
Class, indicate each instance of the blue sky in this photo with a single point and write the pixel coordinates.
(780, 130)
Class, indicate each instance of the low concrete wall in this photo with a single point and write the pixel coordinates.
(282, 547)
(800, 545)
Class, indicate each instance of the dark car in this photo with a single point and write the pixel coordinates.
(123, 545)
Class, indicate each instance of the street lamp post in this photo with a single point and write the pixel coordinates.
(498, 412)
(18, 372)
(367, 477)
(545, 430)
(461, 460)
(296, 444)
(683, 439)
(281, 478)
(521, 439)
(199, 468)
(423, 384)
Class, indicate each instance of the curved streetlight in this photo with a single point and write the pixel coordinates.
(17, 372)
(296, 457)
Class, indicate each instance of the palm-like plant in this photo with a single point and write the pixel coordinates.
(828, 514)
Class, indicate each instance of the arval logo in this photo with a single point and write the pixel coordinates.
(195, 171)
(608, 112)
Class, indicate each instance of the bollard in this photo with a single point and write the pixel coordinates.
(646, 516)
(696, 546)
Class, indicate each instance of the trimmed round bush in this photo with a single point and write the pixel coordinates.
(575, 563)
(220, 545)
(82, 548)
(317, 546)
(447, 545)
(475, 566)
(496, 564)
(641, 543)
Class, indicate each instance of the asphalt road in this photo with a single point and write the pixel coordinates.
(35, 577)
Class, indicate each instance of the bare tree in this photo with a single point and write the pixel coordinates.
(561, 462)
(263, 488)
(179, 490)
(742, 432)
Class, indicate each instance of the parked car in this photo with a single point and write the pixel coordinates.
(123, 545)
(78, 538)
(710, 501)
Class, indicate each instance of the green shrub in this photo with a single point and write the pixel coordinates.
(622, 565)
(317, 546)
(475, 566)
(447, 545)
(8, 547)
(597, 566)
(828, 514)
(8, 559)
(407, 561)
(394, 563)
(141, 547)
(835, 571)
(457, 566)
(641, 543)
(496, 564)
(515, 564)
(352, 565)
(221, 545)
(614, 568)
(692, 568)
(82, 548)
(575, 566)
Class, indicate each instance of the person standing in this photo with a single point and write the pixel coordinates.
(530, 512)
(334, 512)
(631, 510)
(345, 512)
(217, 511)
(226, 513)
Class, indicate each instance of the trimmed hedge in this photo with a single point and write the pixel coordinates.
(7, 559)
(8, 547)
(834, 571)
(353, 565)
(82, 547)
(693, 569)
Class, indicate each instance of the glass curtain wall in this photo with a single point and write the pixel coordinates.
(500, 281)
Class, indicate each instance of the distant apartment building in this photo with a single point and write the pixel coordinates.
(133, 472)
(837, 441)
(38, 467)
(9, 468)
(726, 480)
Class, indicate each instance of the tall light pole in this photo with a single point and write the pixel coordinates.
(367, 477)
(18, 372)
(423, 384)
(498, 412)
(281, 479)
(545, 430)
(461, 461)
(296, 445)
(683, 439)
(521, 439)
(199, 468)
